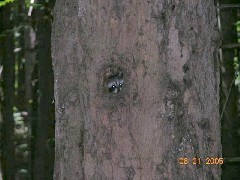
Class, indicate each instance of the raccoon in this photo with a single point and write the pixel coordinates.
(115, 84)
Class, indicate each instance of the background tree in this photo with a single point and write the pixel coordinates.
(7, 128)
(27, 90)
(229, 92)
(168, 106)
(43, 159)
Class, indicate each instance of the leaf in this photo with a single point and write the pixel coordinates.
(237, 80)
(17, 114)
(3, 3)
(18, 120)
(35, 5)
(23, 171)
(23, 147)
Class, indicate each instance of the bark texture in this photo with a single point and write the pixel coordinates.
(168, 107)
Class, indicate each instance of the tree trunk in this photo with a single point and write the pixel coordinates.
(164, 54)
(30, 56)
(7, 128)
(42, 167)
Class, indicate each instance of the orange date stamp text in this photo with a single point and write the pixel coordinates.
(198, 160)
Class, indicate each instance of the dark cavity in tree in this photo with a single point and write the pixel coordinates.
(114, 79)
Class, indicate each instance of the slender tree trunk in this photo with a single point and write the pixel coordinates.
(30, 57)
(1, 92)
(34, 118)
(164, 54)
(45, 86)
(20, 61)
(7, 129)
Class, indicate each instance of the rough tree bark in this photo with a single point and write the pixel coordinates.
(168, 106)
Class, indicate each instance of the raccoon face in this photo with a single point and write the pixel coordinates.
(115, 84)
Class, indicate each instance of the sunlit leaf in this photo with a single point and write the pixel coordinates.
(237, 80)
(19, 120)
(23, 146)
(23, 171)
(16, 114)
(3, 3)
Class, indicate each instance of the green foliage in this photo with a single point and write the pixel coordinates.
(21, 130)
(238, 25)
(3, 3)
(238, 30)
(35, 5)
(14, 29)
(237, 69)
(237, 80)
(23, 147)
(236, 62)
